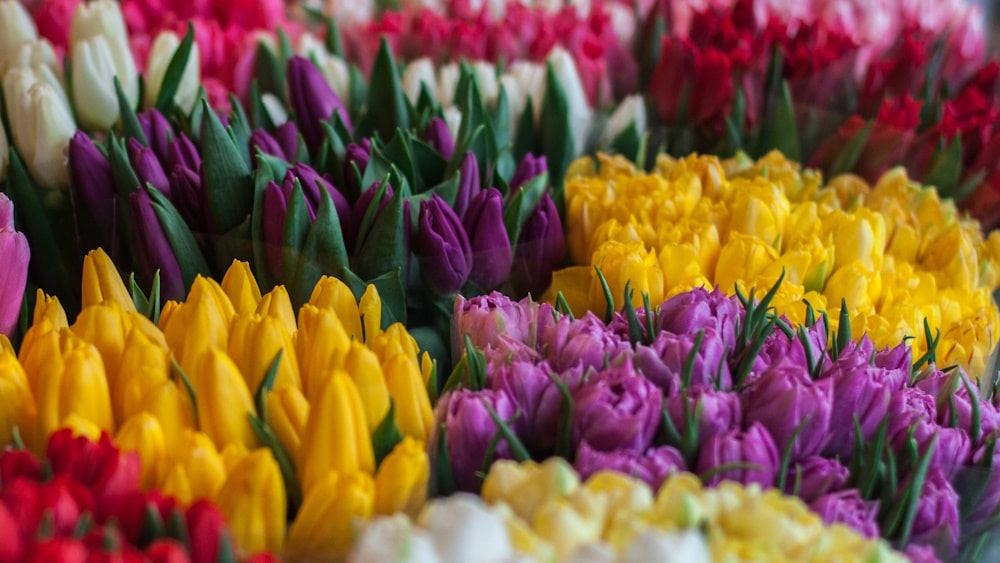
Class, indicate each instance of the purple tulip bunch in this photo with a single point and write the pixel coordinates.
(720, 387)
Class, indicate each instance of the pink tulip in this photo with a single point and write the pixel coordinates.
(15, 254)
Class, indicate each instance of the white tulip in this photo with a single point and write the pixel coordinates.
(393, 539)
(447, 81)
(453, 119)
(160, 54)
(580, 114)
(464, 529)
(39, 57)
(94, 73)
(41, 126)
(592, 552)
(516, 100)
(531, 79)
(275, 110)
(667, 547)
(17, 86)
(631, 110)
(486, 79)
(419, 74)
(16, 27)
(103, 18)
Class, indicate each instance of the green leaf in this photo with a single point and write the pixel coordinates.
(384, 249)
(430, 165)
(443, 483)
(182, 241)
(385, 94)
(359, 92)
(915, 490)
(293, 489)
(525, 140)
(225, 176)
(265, 387)
(784, 132)
(517, 449)
(130, 127)
(261, 176)
(386, 435)
(848, 157)
(564, 433)
(522, 205)
(324, 251)
(557, 143)
(609, 310)
(239, 129)
(294, 236)
(628, 142)
(175, 71)
(258, 113)
(176, 371)
(333, 41)
(946, 168)
(400, 154)
(148, 307)
(270, 71)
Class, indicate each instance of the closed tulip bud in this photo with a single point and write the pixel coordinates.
(277, 305)
(17, 404)
(419, 74)
(336, 437)
(223, 400)
(40, 343)
(159, 133)
(94, 95)
(47, 307)
(370, 310)
(254, 342)
(145, 364)
(392, 342)
(289, 139)
(289, 411)
(93, 190)
(147, 167)
(439, 138)
(105, 327)
(162, 51)
(312, 100)
(241, 287)
(444, 251)
(365, 371)
(527, 486)
(541, 249)
(622, 262)
(468, 183)
(529, 167)
(321, 343)
(312, 183)
(14, 253)
(41, 126)
(16, 27)
(102, 283)
(414, 414)
(144, 435)
(253, 501)
(197, 471)
(75, 384)
(331, 293)
(491, 252)
(401, 480)
(325, 525)
(182, 152)
(356, 155)
(261, 140)
(154, 250)
(104, 19)
(197, 325)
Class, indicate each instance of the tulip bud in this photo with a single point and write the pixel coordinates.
(289, 411)
(197, 471)
(325, 525)
(14, 253)
(223, 400)
(468, 183)
(439, 137)
(241, 287)
(41, 127)
(144, 435)
(197, 325)
(159, 133)
(414, 414)
(392, 342)
(419, 74)
(48, 308)
(527, 486)
(73, 383)
(182, 152)
(253, 501)
(105, 326)
(254, 342)
(367, 374)
(162, 51)
(207, 531)
(529, 167)
(334, 68)
(356, 155)
(146, 366)
(336, 436)
(261, 140)
(312, 100)
(491, 253)
(580, 114)
(331, 293)
(147, 167)
(541, 249)
(16, 27)
(17, 405)
(445, 253)
(103, 18)
(277, 305)
(288, 138)
(370, 309)
(754, 447)
(94, 94)
(154, 250)
(312, 183)
(320, 344)
(401, 480)
(93, 191)
(102, 283)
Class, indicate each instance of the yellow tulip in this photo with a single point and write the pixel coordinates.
(39, 346)
(48, 307)
(363, 367)
(278, 305)
(102, 282)
(144, 366)
(321, 344)
(144, 435)
(170, 403)
(80, 426)
(574, 284)
(253, 502)
(621, 493)
(331, 293)
(859, 236)
(952, 257)
(288, 411)
(336, 436)
(394, 341)
(74, 383)
(223, 400)
(527, 486)
(742, 259)
(570, 521)
(370, 309)
(254, 343)
(621, 263)
(857, 285)
(105, 326)
(196, 471)
(232, 454)
(17, 404)
(329, 518)
(414, 414)
(759, 209)
(196, 326)
(401, 480)
(241, 287)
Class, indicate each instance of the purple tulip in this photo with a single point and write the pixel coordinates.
(263, 141)
(439, 138)
(358, 211)
(653, 466)
(898, 358)
(93, 191)
(468, 183)
(147, 168)
(312, 100)
(444, 250)
(785, 400)
(816, 476)
(158, 132)
(470, 429)
(495, 320)
(182, 152)
(859, 391)
(692, 311)
(583, 343)
(847, 507)
(663, 360)
(530, 167)
(275, 212)
(937, 521)
(948, 390)
(779, 347)
(719, 411)
(154, 250)
(287, 137)
(912, 413)
(921, 554)
(16, 254)
(185, 192)
(312, 183)
(491, 254)
(979, 477)
(541, 249)
(536, 397)
(754, 447)
(616, 410)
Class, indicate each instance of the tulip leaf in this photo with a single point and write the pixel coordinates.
(261, 176)
(914, 491)
(848, 157)
(227, 181)
(226, 553)
(239, 129)
(386, 435)
(634, 327)
(562, 306)
(175, 72)
(332, 40)
(269, 70)
(430, 165)
(266, 384)
(182, 242)
(517, 449)
(177, 371)
(474, 117)
(688, 369)
(946, 168)
(294, 235)
(152, 525)
(609, 300)
(293, 489)
(628, 142)
(400, 154)
(177, 528)
(334, 151)
(564, 433)
(130, 127)
(522, 204)
(385, 247)
(786, 455)
(443, 483)
(259, 115)
(358, 91)
(126, 180)
(324, 251)
(385, 98)
(501, 130)
(148, 307)
(707, 476)
(525, 138)
(782, 131)
(193, 123)
(555, 128)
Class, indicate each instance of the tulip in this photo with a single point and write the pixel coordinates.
(253, 502)
(17, 404)
(356, 155)
(144, 435)
(16, 27)
(653, 467)
(529, 168)
(861, 392)
(321, 343)
(536, 397)
(414, 415)
(385, 538)
(418, 75)
(440, 138)
(401, 479)
(41, 126)
(527, 486)
(182, 152)
(160, 54)
(491, 253)
(241, 287)
(394, 341)
(147, 167)
(816, 476)
(462, 528)
(15, 253)
(753, 446)
(312, 183)
(445, 253)
(73, 383)
(632, 402)
(223, 400)
(469, 430)
(847, 507)
(102, 283)
(541, 248)
(154, 250)
(312, 100)
(334, 68)
(94, 95)
(254, 343)
(324, 526)
(199, 324)
(663, 361)
(331, 293)
(336, 436)
(289, 412)
(106, 327)
(49, 309)
(159, 133)
(261, 140)
(104, 19)
(782, 398)
(197, 471)
(207, 534)
(468, 183)
(582, 343)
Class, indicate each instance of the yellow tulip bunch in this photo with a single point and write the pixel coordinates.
(551, 514)
(230, 396)
(895, 252)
